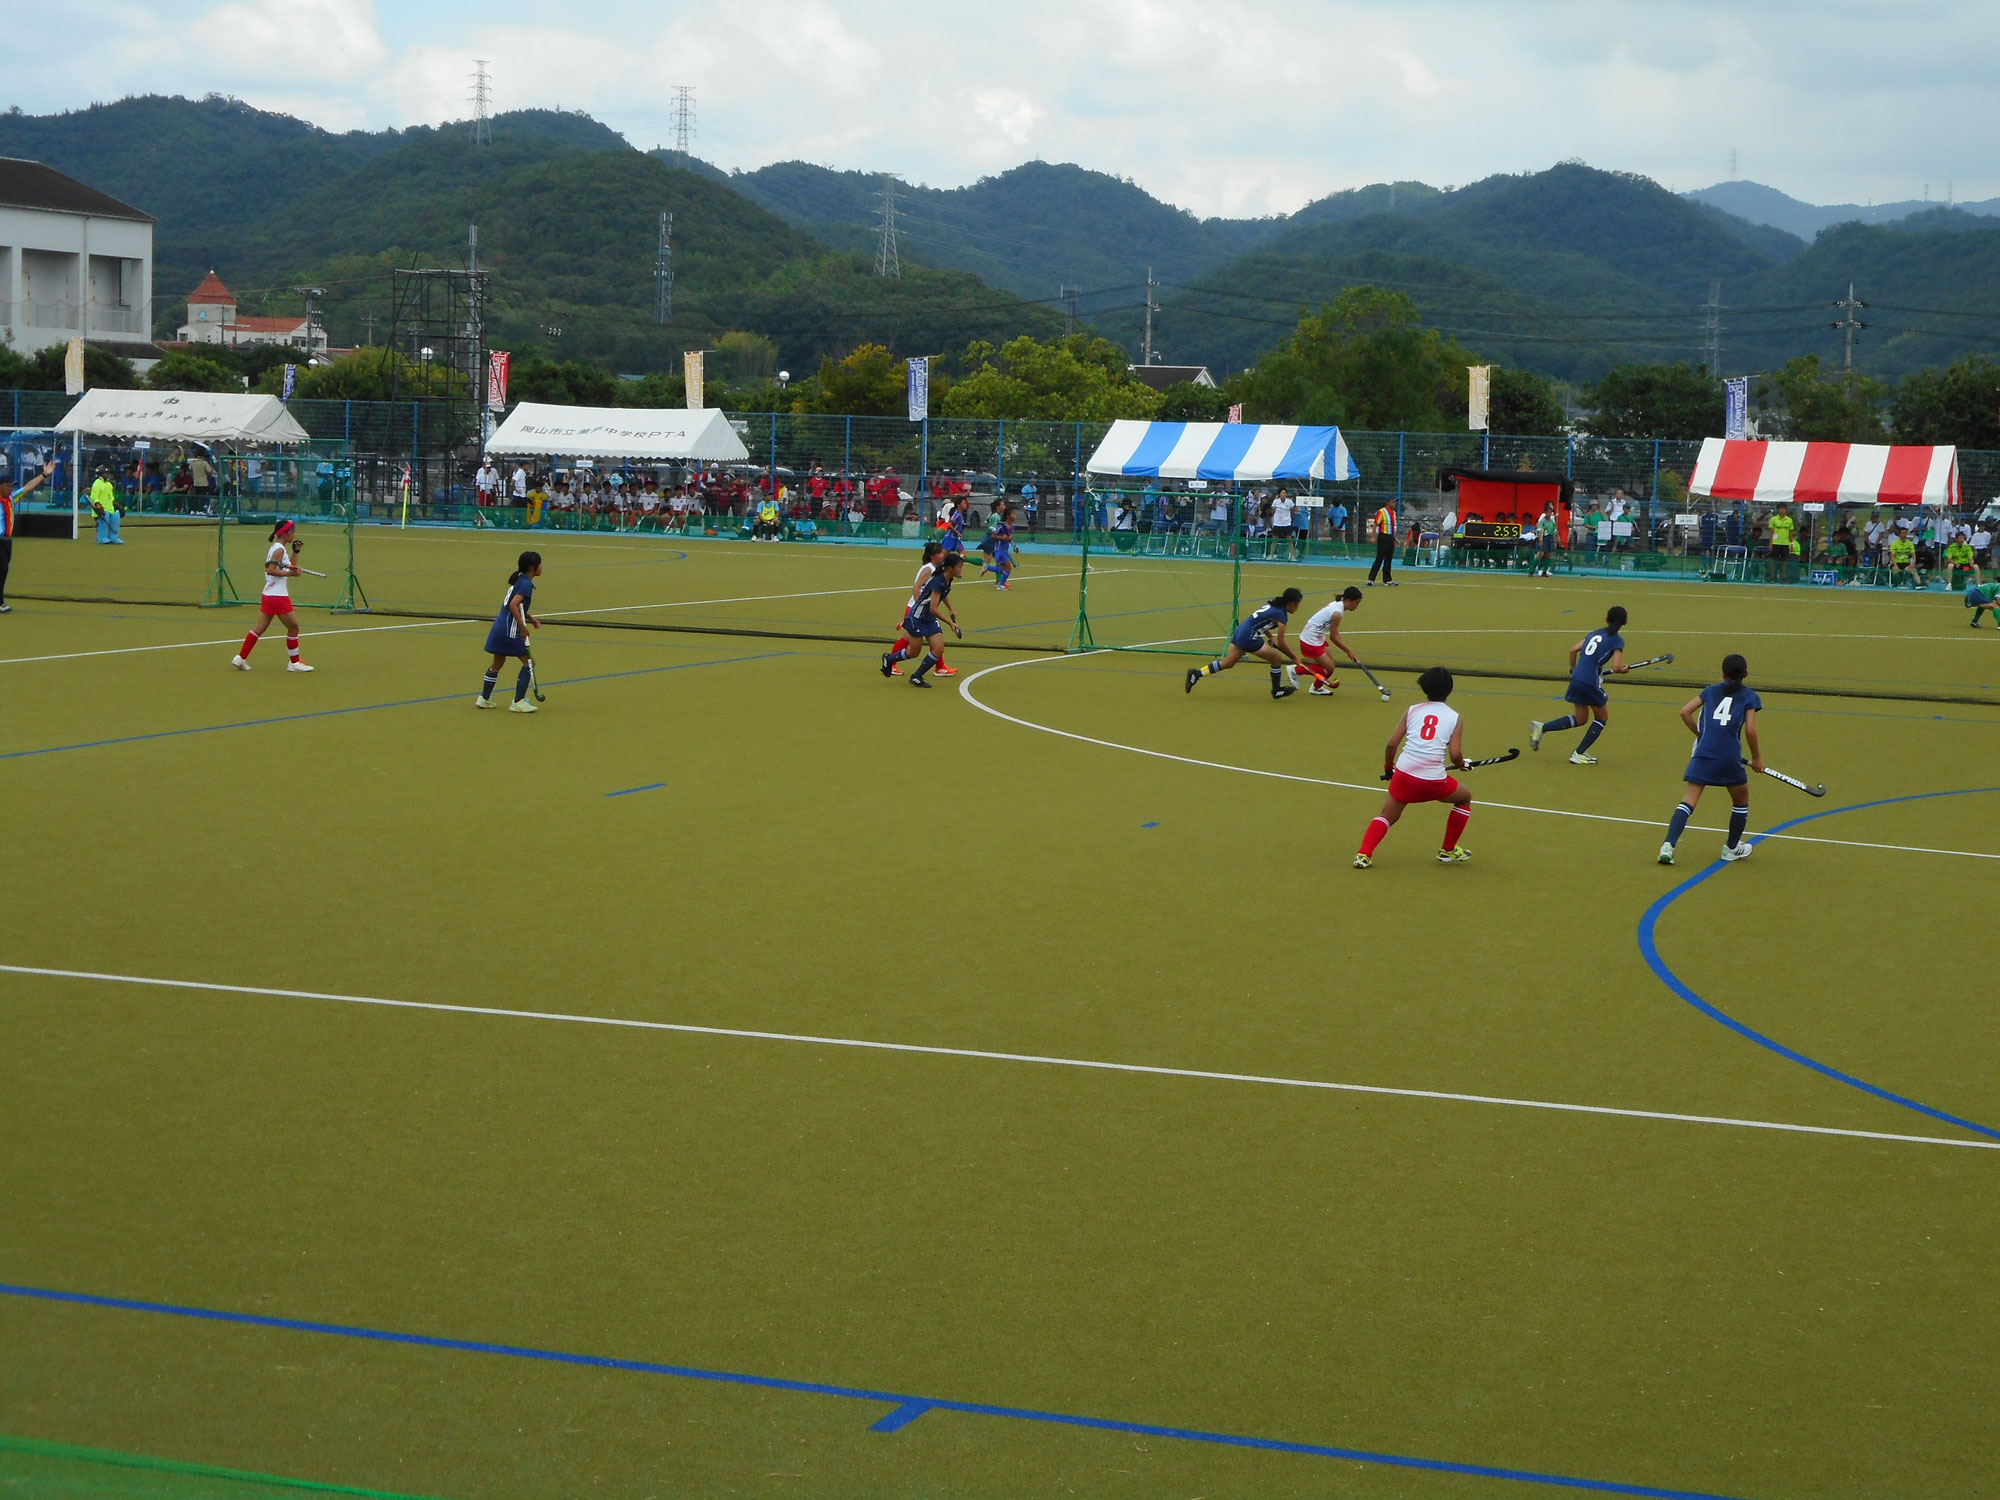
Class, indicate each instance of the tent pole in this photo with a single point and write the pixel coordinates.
(75, 480)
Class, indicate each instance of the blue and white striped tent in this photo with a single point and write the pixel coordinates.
(1222, 451)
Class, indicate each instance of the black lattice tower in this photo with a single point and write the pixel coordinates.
(435, 324)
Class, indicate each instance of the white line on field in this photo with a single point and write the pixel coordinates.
(234, 640)
(983, 1055)
(965, 692)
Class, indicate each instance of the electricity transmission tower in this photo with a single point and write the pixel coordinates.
(482, 105)
(1146, 348)
(887, 262)
(1069, 296)
(1849, 324)
(684, 131)
(1712, 333)
(663, 272)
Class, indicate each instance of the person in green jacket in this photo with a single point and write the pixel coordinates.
(104, 505)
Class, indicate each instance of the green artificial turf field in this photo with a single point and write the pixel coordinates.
(807, 1175)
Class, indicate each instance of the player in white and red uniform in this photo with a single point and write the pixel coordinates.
(1320, 631)
(932, 552)
(276, 601)
(1419, 760)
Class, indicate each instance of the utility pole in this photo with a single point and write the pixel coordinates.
(1712, 342)
(1069, 295)
(663, 273)
(368, 322)
(1848, 322)
(1146, 348)
(312, 294)
(482, 100)
(683, 121)
(887, 261)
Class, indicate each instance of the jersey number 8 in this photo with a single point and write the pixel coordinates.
(1429, 729)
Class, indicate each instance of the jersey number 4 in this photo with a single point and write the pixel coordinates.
(1721, 714)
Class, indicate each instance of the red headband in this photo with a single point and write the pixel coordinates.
(285, 528)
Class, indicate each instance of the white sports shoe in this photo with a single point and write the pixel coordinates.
(521, 706)
(1666, 854)
(1291, 676)
(1741, 851)
(297, 666)
(1320, 690)
(1578, 758)
(1534, 734)
(484, 703)
(239, 663)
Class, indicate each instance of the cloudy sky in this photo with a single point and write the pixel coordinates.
(1220, 106)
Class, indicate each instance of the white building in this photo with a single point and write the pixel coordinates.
(74, 262)
(213, 319)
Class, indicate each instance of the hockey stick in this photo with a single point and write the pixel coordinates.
(307, 571)
(1651, 661)
(534, 682)
(1473, 765)
(1372, 678)
(1816, 790)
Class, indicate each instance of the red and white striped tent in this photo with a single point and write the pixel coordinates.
(1829, 473)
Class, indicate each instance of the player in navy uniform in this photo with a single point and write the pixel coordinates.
(1261, 635)
(922, 623)
(998, 545)
(509, 635)
(1589, 659)
(1720, 719)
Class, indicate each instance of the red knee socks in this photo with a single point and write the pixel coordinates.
(1454, 825)
(1377, 831)
(249, 643)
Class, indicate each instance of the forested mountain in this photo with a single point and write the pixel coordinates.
(1565, 272)
(1758, 204)
(1033, 230)
(568, 218)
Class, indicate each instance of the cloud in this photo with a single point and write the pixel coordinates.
(298, 40)
(1251, 107)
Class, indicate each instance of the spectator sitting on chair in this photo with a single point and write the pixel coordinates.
(1903, 560)
(1124, 526)
(1958, 556)
(766, 529)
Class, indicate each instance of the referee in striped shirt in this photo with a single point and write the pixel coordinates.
(1385, 546)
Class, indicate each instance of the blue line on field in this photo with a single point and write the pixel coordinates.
(1149, 825)
(362, 708)
(651, 786)
(904, 1409)
(1649, 949)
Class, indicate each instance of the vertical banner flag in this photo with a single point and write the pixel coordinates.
(73, 368)
(691, 370)
(920, 387)
(291, 381)
(1737, 423)
(1478, 397)
(1236, 414)
(496, 379)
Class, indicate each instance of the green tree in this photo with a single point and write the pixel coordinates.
(182, 370)
(653, 390)
(1813, 405)
(374, 374)
(1524, 404)
(1364, 360)
(1682, 402)
(43, 370)
(1959, 405)
(1184, 401)
(1078, 378)
(747, 358)
(570, 382)
(868, 383)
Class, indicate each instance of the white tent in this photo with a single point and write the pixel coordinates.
(183, 416)
(652, 433)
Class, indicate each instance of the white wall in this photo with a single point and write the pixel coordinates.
(62, 275)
